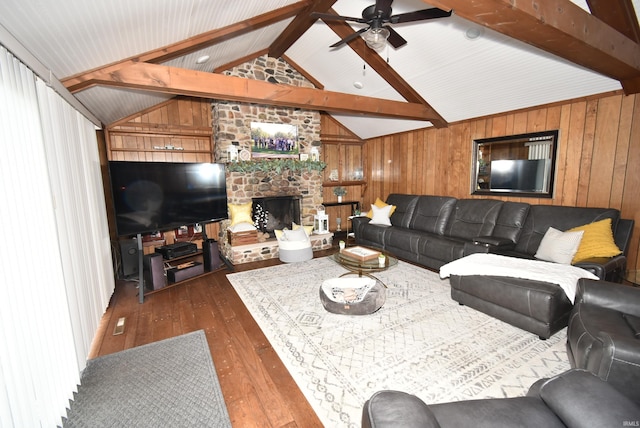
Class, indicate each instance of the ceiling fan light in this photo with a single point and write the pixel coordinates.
(376, 38)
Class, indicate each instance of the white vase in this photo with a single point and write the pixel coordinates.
(339, 199)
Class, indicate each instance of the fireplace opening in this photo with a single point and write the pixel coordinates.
(276, 213)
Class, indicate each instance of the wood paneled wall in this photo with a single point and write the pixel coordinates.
(598, 162)
(182, 122)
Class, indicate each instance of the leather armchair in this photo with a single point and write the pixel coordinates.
(604, 333)
(575, 398)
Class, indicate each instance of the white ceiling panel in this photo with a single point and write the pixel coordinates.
(227, 51)
(112, 104)
(337, 69)
(365, 127)
(71, 36)
(460, 78)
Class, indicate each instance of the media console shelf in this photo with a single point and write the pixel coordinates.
(176, 263)
(158, 274)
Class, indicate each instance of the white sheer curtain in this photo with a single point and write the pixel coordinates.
(55, 252)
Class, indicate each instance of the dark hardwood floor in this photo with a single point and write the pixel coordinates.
(258, 390)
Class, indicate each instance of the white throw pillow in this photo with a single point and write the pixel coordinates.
(242, 227)
(295, 235)
(381, 215)
(559, 247)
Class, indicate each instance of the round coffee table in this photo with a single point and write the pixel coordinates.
(365, 267)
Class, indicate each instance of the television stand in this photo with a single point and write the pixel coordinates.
(177, 270)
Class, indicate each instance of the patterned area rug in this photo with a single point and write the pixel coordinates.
(420, 341)
(171, 383)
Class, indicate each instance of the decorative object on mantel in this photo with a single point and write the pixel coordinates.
(339, 192)
(276, 165)
(232, 153)
(315, 154)
(245, 155)
(321, 221)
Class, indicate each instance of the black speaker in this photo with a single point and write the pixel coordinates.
(154, 276)
(211, 255)
(129, 257)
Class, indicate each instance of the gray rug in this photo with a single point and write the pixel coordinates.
(171, 383)
(420, 341)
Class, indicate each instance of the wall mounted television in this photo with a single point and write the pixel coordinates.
(158, 196)
(519, 175)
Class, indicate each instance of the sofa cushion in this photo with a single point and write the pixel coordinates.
(432, 213)
(373, 234)
(541, 217)
(392, 409)
(380, 204)
(473, 217)
(597, 241)
(405, 207)
(381, 215)
(403, 243)
(559, 247)
(580, 399)
(443, 248)
(495, 413)
(511, 220)
(540, 307)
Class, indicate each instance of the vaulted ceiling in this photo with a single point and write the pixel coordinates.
(119, 57)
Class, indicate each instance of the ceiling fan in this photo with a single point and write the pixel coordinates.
(378, 16)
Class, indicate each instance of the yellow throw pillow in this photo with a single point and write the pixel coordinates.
(240, 213)
(597, 241)
(380, 204)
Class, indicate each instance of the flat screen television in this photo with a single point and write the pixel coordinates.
(158, 196)
(521, 175)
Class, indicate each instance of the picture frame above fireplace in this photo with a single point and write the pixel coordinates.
(274, 140)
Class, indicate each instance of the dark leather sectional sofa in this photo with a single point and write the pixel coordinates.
(434, 230)
(575, 398)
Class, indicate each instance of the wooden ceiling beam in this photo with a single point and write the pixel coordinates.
(559, 27)
(618, 14)
(192, 44)
(300, 24)
(375, 61)
(180, 81)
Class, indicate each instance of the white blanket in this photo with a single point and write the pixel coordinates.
(566, 276)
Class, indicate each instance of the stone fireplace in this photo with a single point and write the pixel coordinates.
(276, 213)
(232, 126)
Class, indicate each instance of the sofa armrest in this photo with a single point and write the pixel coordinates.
(392, 409)
(494, 242)
(487, 244)
(581, 399)
(359, 220)
(610, 295)
(618, 350)
(608, 268)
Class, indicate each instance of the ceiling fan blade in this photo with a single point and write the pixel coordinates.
(384, 6)
(332, 17)
(395, 39)
(349, 38)
(419, 15)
